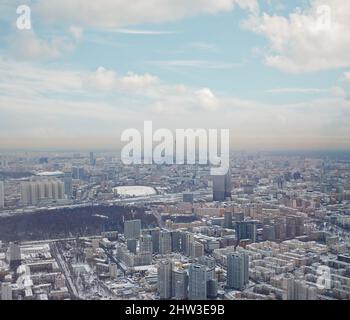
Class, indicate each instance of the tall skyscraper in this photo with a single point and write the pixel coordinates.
(179, 284)
(197, 282)
(13, 255)
(228, 216)
(280, 229)
(165, 268)
(155, 240)
(186, 243)
(2, 195)
(92, 159)
(210, 263)
(212, 288)
(246, 230)
(165, 242)
(68, 189)
(290, 227)
(299, 227)
(132, 229)
(237, 270)
(146, 243)
(131, 245)
(222, 187)
(176, 241)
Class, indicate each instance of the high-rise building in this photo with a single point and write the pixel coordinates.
(165, 242)
(269, 233)
(155, 240)
(132, 229)
(176, 241)
(222, 187)
(212, 288)
(2, 195)
(280, 229)
(237, 270)
(186, 243)
(131, 245)
(239, 216)
(6, 291)
(210, 263)
(146, 243)
(197, 282)
(165, 268)
(92, 159)
(13, 255)
(290, 227)
(78, 173)
(197, 250)
(246, 230)
(179, 284)
(68, 188)
(35, 191)
(143, 259)
(228, 216)
(299, 226)
(298, 289)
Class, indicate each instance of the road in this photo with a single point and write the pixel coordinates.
(62, 264)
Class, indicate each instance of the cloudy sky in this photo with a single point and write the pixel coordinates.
(276, 73)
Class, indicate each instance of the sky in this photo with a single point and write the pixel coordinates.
(276, 73)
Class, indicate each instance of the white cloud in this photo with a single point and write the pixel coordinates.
(336, 91)
(339, 92)
(52, 102)
(76, 31)
(296, 90)
(145, 32)
(134, 81)
(203, 64)
(102, 79)
(307, 40)
(347, 76)
(207, 99)
(119, 13)
(26, 45)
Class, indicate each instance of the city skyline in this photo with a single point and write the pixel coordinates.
(86, 226)
(275, 73)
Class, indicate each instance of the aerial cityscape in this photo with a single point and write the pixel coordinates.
(85, 226)
(169, 150)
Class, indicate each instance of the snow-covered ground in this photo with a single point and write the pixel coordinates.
(134, 191)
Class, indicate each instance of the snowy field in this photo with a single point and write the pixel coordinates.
(134, 191)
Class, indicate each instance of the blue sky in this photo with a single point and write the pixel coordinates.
(276, 73)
